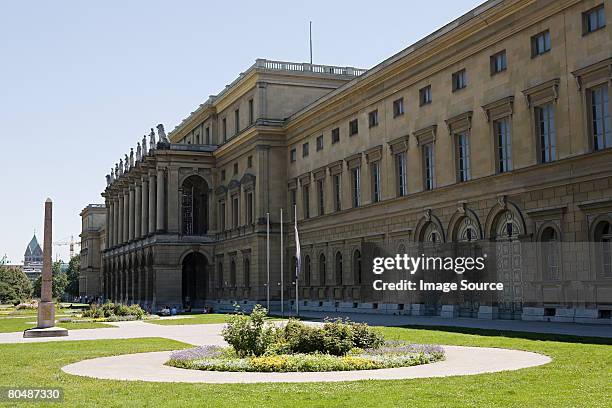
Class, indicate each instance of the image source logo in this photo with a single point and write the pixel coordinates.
(410, 264)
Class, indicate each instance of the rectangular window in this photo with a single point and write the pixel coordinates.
(224, 129)
(425, 95)
(459, 80)
(498, 62)
(235, 212)
(593, 19)
(337, 192)
(319, 143)
(236, 121)
(400, 165)
(540, 43)
(321, 197)
(600, 117)
(305, 150)
(335, 134)
(373, 118)
(356, 186)
(249, 214)
(429, 166)
(503, 145)
(398, 107)
(353, 127)
(250, 162)
(306, 201)
(375, 173)
(222, 174)
(545, 128)
(235, 168)
(463, 157)
(207, 135)
(251, 112)
(221, 215)
(292, 155)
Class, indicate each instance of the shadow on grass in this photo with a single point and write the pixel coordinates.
(564, 338)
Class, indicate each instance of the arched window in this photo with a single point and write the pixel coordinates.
(508, 227)
(247, 272)
(431, 233)
(220, 275)
(232, 279)
(307, 270)
(551, 254)
(338, 270)
(194, 206)
(357, 267)
(603, 239)
(322, 276)
(467, 230)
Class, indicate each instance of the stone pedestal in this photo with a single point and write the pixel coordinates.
(46, 315)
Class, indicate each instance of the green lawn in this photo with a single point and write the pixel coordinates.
(580, 375)
(192, 319)
(17, 324)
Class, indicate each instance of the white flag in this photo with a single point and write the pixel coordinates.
(298, 255)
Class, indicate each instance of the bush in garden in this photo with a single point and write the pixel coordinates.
(249, 335)
(364, 337)
(337, 337)
(112, 311)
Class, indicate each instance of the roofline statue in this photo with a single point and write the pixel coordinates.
(126, 163)
(161, 133)
(144, 147)
(152, 143)
(120, 167)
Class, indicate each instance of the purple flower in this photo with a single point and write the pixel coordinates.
(197, 353)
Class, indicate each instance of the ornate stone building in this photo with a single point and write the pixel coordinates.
(494, 130)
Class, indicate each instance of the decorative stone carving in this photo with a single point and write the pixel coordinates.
(121, 167)
(126, 164)
(152, 139)
(138, 152)
(112, 174)
(131, 157)
(161, 134)
(108, 180)
(144, 146)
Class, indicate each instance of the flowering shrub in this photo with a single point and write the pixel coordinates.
(212, 358)
(115, 312)
(27, 305)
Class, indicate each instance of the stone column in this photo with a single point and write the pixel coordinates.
(152, 203)
(120, 219)
(131, 213)
(144, 222)
(172, 198)
(46, 307)
(116, 221)
(126, 215)
(161, 200)
(137, 210)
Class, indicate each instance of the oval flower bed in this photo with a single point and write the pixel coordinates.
(338, 345)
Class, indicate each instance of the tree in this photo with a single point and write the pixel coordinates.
(15, 287)
(60, 281)
(72, 275)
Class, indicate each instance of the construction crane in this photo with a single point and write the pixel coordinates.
(71, 243)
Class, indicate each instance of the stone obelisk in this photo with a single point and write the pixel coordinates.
(46, 307)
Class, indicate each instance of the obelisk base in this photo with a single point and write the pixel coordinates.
(46, 323)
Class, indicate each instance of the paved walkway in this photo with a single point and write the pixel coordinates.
(588, 330)
(150, 367)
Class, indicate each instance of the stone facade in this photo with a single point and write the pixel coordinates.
(494, 130)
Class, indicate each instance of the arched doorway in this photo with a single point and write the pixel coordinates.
(195, 269)
(194, 206)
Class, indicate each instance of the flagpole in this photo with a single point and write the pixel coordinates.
(268, 259)
(297, 271)
(282, 285)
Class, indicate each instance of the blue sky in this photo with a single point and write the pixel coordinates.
(81, 82)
